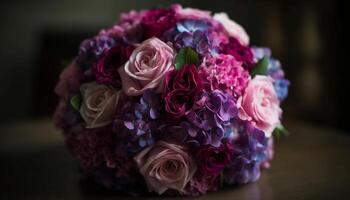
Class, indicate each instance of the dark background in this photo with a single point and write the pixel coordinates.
(37, 39)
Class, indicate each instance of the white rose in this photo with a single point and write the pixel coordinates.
(99, 104)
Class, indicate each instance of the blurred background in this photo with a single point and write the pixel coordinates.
(39, 37)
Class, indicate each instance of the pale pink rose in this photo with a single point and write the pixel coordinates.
(99, 104)
(147, 67)
(233, 29)
(260, 104)
(165, 166)
(190, 13)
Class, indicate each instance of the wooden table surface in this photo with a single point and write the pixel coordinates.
(312, 163)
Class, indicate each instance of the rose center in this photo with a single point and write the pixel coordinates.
(264, 102)
(171, 166)
(99, 100)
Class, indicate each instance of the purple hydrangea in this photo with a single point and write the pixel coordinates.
(260, 52)
(281, 84)
(141, 119)
(191, 26)
(274, 70)
(206, 124)
(91, 49)
(191, 33)
(281, 88)
(250, 151)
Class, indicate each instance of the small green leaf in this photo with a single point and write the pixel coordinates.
(280, 131)
(186, 56)
(261, 67)
(75, 101)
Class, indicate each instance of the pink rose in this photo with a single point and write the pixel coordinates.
(260, 104)
(99, 104)
(147, 67)
(233, 29)
(165, 166)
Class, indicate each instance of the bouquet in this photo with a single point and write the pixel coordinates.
(172, 101)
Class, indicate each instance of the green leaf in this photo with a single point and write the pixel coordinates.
(186, 56)
(261, 67)
(280, 131)
(75, 101)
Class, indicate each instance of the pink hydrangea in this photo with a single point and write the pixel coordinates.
(224, 72)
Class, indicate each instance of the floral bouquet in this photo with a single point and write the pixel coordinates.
(173, 101)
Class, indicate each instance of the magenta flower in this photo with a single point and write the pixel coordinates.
(241, 53)
(225, 73)
(201, 184)
(156, 21)
(106, 69)
(212, 160)
(181, 89)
